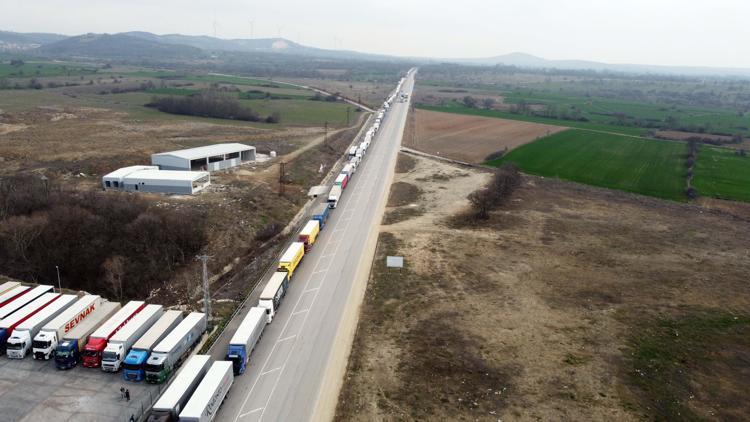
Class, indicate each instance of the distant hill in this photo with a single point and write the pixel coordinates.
(16, 41)
(117, 46)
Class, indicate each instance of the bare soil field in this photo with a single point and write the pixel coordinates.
(470, 138)
(370, 93)
(570, 303)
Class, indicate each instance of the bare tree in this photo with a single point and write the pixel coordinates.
(114, 272)
(21, 231)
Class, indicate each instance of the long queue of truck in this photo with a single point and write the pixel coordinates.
(94, 332)
(199, 389)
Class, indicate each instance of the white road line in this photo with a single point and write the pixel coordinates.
(268, 372)
(281, 340)
(251, 412)
(311, 290)
(300, 312)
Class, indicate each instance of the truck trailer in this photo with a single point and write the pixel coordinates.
(291, 258)
(11, 294)
(352, 151)
(245, 338)
(45, 342)
(176, 396)
(205, 402)
(68, 351)
(92, 352)
(120, 343)
(7, 286)
(321, 214)
(273, 294)
(334, 196)
(9, 324)
(341, 180)
(309, 234)
(132, 367)
(21, 298)
(170, 352)
(20, 341)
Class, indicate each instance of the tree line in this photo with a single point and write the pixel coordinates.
(504, 181)
(210, 103)
(103, 242)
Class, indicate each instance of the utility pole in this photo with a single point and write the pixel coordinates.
(206, 294)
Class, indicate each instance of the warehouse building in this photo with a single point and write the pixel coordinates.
(207, 158)
(151, 179)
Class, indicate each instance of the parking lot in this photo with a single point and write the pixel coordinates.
(32, 390)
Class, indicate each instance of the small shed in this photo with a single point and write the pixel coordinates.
(205, 158)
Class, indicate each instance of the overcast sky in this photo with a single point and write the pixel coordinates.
(669, 32)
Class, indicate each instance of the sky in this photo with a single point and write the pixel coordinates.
(664, 32)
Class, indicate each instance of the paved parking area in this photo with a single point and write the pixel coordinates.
(32, 390)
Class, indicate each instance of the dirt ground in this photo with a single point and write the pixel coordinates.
(370, 93)
(470, 138)
(570, 303)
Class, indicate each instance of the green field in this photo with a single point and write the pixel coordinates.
(303, 112)
(40, 69)
(721, 173)
(654, 168)
(458, 108)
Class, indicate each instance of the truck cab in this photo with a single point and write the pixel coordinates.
(44, 345)
(92, 352)
(156, 369)
(18, 344)
(132, 366)
(238, 356)
(67, 354)
(112, 357)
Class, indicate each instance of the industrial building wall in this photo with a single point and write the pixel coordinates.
(168, 162)
(181, 190)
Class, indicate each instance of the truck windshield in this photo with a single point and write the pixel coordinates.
(109, 356)
(14, 346)
(38, 344)
(62, 354)
(131, 366)
(154, 368)
(89, 353)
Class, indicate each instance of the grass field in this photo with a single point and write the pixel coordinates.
(619, 162)
(455, 107)
(303, 112)
(721, 173)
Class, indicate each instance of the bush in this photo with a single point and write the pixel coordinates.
(206, 104)
(504, 181)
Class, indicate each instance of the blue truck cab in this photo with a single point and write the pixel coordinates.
(238, 356)
(67, 354)
(321, 214)
(4, 334)
(132, 366)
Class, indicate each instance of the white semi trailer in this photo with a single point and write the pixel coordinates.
(176, 396)
(20, 341)
(170, 352)
(45, 342)
(210, 394)
(119, 345)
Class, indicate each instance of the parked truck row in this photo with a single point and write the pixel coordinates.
(197, 391)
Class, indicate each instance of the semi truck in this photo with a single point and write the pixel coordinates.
(334, 196)
(348, 170)
(68, 351)
(291, 258)
(13, 293)
(167, 408)
(273, 294)
(341, 180)
(45, 342)
(309, 234)
(132, 367)
(120, 343)
(20, 341)
(321, 214)
(170, 352)
(245, 338)
(9, 324)
(92, 352)
(352, 151)
(22, 298)
(7, 286)
(210, 394)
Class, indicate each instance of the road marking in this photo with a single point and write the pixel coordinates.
(250, 412)
(311, 290)
(327, 256)
(268, 372)
(320, 272)
(300, 312)
(281, 340)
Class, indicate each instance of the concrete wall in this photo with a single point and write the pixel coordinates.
(163, 188)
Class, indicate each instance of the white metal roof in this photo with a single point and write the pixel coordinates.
(57, 306)
(273, 285)
(181, 175)
(114, 323)
(8, 285)
(158, 331)
(292, 251)
(207, 151)
(137, 322)
(170, 341)
(190, 370)
(310, 227)
(72, 312)
(248, 325)
(28, 310)
(125, 171)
